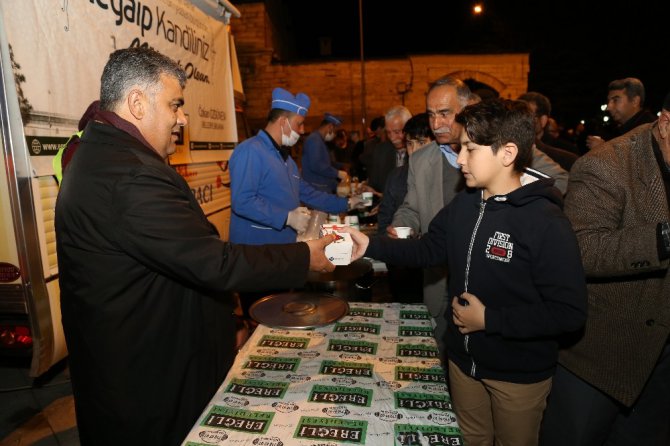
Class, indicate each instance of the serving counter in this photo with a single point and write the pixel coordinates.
(372, 378)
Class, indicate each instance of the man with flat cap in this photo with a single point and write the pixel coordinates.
(317, 168)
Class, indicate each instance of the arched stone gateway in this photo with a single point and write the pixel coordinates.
(480, 80)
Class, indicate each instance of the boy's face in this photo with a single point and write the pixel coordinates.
(414, 144)
(481, 167)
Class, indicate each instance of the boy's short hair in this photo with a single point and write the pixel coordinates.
(377, 123)
(418, 126)
(497, 122)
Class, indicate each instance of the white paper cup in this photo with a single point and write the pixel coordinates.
(367, 198)
(352, 220)
(333, 218)
(403, 231)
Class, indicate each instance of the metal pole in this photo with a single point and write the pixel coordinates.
(364, 124)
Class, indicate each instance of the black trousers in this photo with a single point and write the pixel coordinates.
(578, 414)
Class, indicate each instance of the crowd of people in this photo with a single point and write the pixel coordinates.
(545, 269)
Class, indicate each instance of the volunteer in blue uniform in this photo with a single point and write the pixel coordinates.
(317, 167)
(267, 190)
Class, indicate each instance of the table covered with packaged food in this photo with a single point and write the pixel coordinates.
(372, 377)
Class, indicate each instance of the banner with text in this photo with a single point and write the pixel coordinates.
(59, 49)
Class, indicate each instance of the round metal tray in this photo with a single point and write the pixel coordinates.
(298, 310)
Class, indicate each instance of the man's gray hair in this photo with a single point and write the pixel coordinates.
(398, 110)
(462, 90)
(134, 66)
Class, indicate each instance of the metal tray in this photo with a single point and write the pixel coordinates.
(298, 310)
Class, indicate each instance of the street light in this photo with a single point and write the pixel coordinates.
(363, 105)
(477, 9)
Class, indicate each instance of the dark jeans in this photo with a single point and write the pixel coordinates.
(578, 414)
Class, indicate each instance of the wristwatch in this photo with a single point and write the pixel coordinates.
(665, 235)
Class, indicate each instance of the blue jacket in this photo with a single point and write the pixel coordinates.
(264, 189)
(317, 168)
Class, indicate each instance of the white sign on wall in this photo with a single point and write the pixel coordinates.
(60, 47)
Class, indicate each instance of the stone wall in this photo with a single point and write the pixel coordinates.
(335, 86)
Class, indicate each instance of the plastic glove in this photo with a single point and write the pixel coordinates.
(342, 175)
(356, 203)
(298, 219)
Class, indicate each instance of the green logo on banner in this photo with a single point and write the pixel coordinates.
(422, 401)
(283, 342)
(405, 330)
(341, 395)
(412, 434)
(258, 388)
(356, 327)
(417, 350)
(328, 429)
(346, 368)
(238, 420)
(414, 315)
(432, 374)
(346, 346)
(376, 313)
(272, 363)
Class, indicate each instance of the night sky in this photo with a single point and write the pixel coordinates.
(576, 47)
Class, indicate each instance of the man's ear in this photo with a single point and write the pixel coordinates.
(137, 104)
(543, 121)
(509, 153)
(664, 124)
(636, 101)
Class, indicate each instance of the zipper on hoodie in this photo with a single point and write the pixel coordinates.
(466, 340)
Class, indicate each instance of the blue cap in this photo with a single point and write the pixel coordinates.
(284, 100)
(336, 120)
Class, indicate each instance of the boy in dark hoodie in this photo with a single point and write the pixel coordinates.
(515, 277)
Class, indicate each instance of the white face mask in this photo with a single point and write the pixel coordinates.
(289, 140)
(329, 136)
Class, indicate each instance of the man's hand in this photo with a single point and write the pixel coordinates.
(594, 141)
(470, 317)
(298, 219)
(390, 231)
(342, 175)
(361, 241)
(317, 256)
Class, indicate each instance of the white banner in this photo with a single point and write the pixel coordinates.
(60, 47)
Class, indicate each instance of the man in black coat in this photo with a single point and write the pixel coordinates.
(143, 274)
(541, 107)
(625, 104)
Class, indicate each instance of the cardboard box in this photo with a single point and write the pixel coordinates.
(340, 250)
